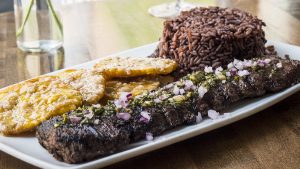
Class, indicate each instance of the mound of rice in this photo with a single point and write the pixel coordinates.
(211, 37)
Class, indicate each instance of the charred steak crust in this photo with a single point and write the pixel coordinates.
(76, 143)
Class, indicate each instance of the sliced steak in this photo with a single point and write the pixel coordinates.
(73, 144)
(179, 103)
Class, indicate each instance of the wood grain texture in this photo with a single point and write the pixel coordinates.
(269, 139)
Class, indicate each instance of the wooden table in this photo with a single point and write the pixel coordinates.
(269, 139)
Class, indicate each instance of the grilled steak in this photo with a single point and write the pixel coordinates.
(94, 131)
(81, 142)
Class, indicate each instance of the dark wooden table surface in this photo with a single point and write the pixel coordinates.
(269, 139)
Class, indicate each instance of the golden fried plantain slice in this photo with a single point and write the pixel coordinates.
(115, 87)
(130, 66)
(90, 83)
(135, 86)
(25, 105)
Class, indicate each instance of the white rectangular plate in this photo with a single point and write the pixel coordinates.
(29, 150)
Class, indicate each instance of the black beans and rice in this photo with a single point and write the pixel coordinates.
(211, 37)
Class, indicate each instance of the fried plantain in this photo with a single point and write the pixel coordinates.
(135, 86)
(133, 66)
(25, 105)
(90, 83)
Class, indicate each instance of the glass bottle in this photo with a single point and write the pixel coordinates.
(38, 25)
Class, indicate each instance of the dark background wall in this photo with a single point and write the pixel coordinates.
(6, 5)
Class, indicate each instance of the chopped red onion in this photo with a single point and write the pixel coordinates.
(169, 86)
(143, 120)
(198, 118)
(230, 65)
(124, 116)
(97, 105)
(75, 119)
(118, 103)
(86, 111)
(213, 114)
(218, 73)
(201, 91)
(267, 61)
(233, 71)
(254, 64)
(89, 115)
(149, 136)
(139, 96)
(279, 65)
(96, 121)
(228, 74)
(242, 73)
(163, 97)
(176, 90)
(261, 63)
(248, 63)
(151, 94)
(157, 100)
(188, 84)
(128, 95)
(208, 69)
(146, 115)
(223, 81)
(218, 70)
(121, 103)
(181, 91)
(194, 87)
(125, 95)
(239, 66)
(235, 61)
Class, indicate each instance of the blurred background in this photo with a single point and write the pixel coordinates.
(6, 5)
